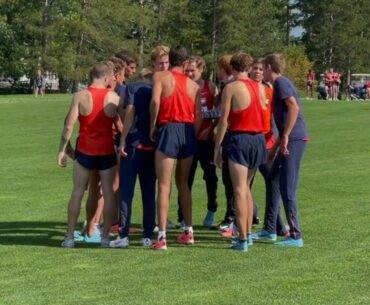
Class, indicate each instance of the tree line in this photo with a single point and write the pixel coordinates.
(67, 37)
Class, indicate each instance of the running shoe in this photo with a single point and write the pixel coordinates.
(170, 224)
(240, 246)
(249, 240)
(114, 228)
(93, 239)
(264, 235)
(68, 243)
(290, 242)
(146, 242)
(225, 224)
(120, 243)
(160, 244)
(104, 243)
(186, 238)
(208, 220)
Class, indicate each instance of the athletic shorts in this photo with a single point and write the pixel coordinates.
(100, 163)
(177, 140)
(244, 148)
(309, 83)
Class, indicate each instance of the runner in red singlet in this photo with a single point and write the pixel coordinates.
(95, 108)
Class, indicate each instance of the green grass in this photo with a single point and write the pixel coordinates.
(332, 267)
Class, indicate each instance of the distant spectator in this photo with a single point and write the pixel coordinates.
(310, 84)
(39, 84)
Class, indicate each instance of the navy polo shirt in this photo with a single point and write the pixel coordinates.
(283, 89)
(139, 95)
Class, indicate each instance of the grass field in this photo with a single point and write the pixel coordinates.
(334, 196)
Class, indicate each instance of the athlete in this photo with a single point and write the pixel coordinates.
(205, 139)
(95, 200)
(39, 84)
(310, 84)
(174, 111)
(242, 117)
(336, 85)
(329, 82)
(95, 108)
(137, 159)
(276, 226)
(289, 146)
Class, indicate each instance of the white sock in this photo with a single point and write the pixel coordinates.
(188, 229)
(161, 234)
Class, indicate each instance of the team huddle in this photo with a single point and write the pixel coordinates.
(168, 120)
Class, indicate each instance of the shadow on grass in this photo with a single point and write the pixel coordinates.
(50, 234)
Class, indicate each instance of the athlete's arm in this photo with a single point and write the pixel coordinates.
(69, 122)
(293, 110)
(222, 124)
(129, 118)
(154, 105)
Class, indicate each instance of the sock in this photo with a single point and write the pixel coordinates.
(161, 235)
(188, 229)
(242, 240)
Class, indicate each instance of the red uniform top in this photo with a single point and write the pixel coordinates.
(206, 102)
(250, 119)
(267, 130)
(336, 77)
(179, 106)
(328, 77)
(311, 76)
(95, 135)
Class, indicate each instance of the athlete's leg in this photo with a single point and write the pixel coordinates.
(163, 169)
(250, 176)
(193, 169)
(182, 182)
(80, 180)
(106, 178)
(205, 152)
(94, 203)
(147, 184)
(289, 175)
(239, 175)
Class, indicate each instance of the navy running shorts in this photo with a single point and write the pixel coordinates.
(247, 149)
(100, 163)
(177, 140)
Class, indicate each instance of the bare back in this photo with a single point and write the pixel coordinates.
(85, 103)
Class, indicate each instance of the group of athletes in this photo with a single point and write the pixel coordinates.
(168, 120)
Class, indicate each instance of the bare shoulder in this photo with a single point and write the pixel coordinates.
(113, 97)
(193, 84)
(160, 75)
(81, 95)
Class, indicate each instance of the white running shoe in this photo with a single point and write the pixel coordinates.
(120, 243)
(146, 242)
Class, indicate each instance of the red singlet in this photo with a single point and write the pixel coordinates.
(206, 102)
(269, 134)
(179, 106)
(250, 119)
(95, 135)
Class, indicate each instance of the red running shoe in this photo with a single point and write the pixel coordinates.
(160, 244)
(186, 238)
(228, 233)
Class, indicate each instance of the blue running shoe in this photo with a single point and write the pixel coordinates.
(77, 236)
(208, 220)
(250, 240)
(290, 242)
(264, 235)
(93, 239)
(240, 246)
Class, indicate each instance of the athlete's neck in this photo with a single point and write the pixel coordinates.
(178, 70)
(98, 83)
(241, 75)
(274, 76)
